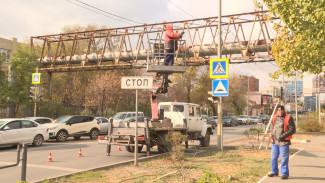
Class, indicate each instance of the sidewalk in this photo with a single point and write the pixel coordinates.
(307, 165)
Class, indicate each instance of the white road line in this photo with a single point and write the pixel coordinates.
(45, 166)
(262, 179)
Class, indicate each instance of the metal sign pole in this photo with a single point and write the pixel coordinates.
(36, 94)
(296, 101)
(24, 163)
(136, 129)
(220, 144)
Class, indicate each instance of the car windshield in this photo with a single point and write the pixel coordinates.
(204, 116)
(227, 117)
(254, 117)
(2, 122)
(243, 116)
(62, 119)
(119, 116)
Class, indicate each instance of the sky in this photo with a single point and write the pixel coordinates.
(23, 19)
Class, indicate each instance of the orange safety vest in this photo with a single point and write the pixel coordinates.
(285, 125)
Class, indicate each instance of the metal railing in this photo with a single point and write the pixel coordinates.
(23, 159)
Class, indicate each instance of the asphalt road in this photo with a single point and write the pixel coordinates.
(65, 160)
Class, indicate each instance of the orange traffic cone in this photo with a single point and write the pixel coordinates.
(49, 159)
(119, 148)
(79, 153)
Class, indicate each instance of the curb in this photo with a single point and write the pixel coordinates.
(107, 167)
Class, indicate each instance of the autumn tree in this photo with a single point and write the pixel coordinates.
(200, 95)
(237, 98)
(103, 91)
(3, 84)
(22, 69)
(182, 85)
(301, 39)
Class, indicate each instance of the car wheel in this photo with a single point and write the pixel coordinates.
(205, 141)
(38, 140)
(77, 137)
(94, 134)
(61, 136)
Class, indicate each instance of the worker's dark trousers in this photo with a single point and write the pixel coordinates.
(169, 57)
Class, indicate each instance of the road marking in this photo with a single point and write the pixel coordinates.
(44, 166)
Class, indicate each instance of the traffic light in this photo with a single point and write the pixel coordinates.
(32, 93)
(40, 94)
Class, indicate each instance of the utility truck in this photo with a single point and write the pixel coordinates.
(173, 116)
(166, 117)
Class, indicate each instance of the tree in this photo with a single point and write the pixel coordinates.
(300, 42)
(237, 95)
(182, 86)
(200, 95)
(3, 85)
(104, 91)
(22, 69)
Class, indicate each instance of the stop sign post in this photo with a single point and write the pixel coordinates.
(137, 82)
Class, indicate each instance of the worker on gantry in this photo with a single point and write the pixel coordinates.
(171, 44)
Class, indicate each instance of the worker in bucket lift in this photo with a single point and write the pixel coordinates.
(170, 44)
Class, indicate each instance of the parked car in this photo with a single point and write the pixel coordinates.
(103, 124)
(15, 130)
(130, 121)
(265, 118)
(210, 120)
(118, 117)
(243, 119)
(75, 126)
(229, 121)
(41, 120)
(255, 119)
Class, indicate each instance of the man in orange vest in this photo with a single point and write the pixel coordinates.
(171, 44)
(283, 127)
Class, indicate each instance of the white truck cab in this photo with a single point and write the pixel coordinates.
(185, 115)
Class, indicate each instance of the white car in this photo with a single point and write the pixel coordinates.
(118, 118)
(243, 119)
(74, 126)
(40, 120)
(22, 131)
(255, 119)
(103, 124)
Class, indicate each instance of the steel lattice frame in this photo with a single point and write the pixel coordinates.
(246, 38)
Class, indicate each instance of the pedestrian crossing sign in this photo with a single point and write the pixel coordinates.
(220, 87)
(219, 68)
(36, 79)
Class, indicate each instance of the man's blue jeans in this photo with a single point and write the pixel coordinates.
(283, 151)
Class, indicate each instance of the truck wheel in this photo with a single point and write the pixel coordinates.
(131, 149)
(162, 149)
(205, 142)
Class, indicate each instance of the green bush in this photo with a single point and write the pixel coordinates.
(209, 176)
(310, 125)
(177, 149)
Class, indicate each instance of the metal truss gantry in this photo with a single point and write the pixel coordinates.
(245, 38)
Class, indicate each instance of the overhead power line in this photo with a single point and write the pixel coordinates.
(108, 12)
(97, 12)
(181, 9)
